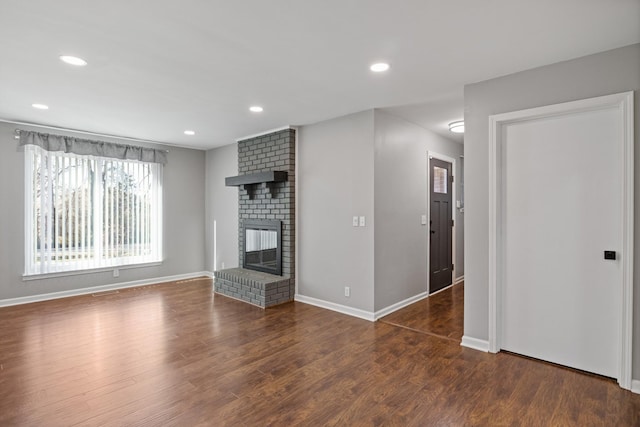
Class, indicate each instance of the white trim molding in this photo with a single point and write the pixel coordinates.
(459, 280)
(474, 343)
(442, 290)
(623, 104)
(266, 132)
(350, 311)
(635, 386)
(296, 207)
(103, 288)
(399, 305)
(356, 312)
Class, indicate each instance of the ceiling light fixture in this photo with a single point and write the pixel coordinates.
(379, 67)
(189, 132)
(457, 127)
(73, 60)
(40, 106)
(256, 109)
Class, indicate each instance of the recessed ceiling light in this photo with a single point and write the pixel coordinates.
(379, 67)
(40, 106)
(73, 60)
(256, 109)
(189, 132)
(457, 127)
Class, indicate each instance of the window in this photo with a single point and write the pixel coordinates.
(440, 180)
(86, 212)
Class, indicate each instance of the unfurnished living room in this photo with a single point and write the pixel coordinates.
(349, 213)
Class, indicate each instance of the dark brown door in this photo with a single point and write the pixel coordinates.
(441, 225)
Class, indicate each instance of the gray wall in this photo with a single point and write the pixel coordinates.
(335, 182)
(372, 164)
(595, 75)
(401, 193)
(183, 214)
(222, 207)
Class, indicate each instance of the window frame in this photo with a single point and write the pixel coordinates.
(34, 269)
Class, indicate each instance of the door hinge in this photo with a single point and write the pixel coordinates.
(452, 223)
(451, 267)
(451, 178)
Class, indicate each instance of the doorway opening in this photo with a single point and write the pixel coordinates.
(441, 221)
(560, 260)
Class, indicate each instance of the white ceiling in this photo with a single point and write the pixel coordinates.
(436, 114)
(159, 67)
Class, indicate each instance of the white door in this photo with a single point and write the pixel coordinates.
(561, 208)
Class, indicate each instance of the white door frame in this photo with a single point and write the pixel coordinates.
(444, 158)
(623, 104)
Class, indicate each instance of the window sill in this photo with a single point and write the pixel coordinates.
(29, 277)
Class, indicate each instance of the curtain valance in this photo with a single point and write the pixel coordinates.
(68, 144)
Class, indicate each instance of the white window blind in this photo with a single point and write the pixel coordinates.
(86, 212)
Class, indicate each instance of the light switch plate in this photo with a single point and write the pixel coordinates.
(355, 221)
(362, 223)
(423, 220)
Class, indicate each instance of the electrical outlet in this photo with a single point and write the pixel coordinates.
(116, 272)
(362, 223)
(347, 291)
(355, 221)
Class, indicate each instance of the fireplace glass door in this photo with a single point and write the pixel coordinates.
(262, 246)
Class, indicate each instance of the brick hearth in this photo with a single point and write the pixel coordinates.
(254, 287)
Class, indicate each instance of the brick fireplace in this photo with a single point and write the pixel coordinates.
(266, 195)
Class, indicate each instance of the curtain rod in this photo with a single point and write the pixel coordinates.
(104, 135)
(17, 136)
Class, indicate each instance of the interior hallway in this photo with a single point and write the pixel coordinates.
(441, 314)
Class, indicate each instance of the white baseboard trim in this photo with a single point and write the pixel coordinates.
(635, 386)
(350, 311)
(397, 306)
(458, 280)
(446, 288)
(91, 290)
(476, 344)
(209, 274)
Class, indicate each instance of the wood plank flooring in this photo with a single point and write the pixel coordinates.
(442, 314)
(175, 355)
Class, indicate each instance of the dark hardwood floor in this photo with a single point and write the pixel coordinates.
(442, 314)
(175, 355)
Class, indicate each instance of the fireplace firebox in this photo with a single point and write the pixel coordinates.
(262, 246)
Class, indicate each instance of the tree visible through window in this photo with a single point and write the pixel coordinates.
(85, 212)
